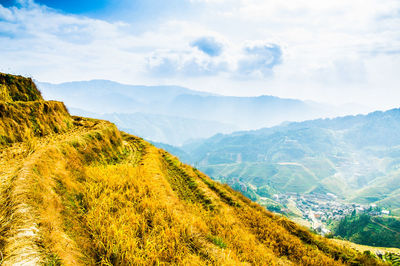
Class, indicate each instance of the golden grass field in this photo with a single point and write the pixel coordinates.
(77, 191)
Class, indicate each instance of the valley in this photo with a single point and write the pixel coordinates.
(344, 156)
(316, 172)
(319, 211)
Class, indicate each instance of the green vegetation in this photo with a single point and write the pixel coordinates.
(89, 194)
(357, 158)
(394, 259)
(368, 230)
(218, 241)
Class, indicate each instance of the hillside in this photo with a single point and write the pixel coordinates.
(356, 158)
(77, 191)
(373, 231)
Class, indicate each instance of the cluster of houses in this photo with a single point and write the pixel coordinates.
(318, 208)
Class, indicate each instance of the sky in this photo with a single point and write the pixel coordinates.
(342, 51)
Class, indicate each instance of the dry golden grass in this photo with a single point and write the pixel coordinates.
(18, 88)
(132, 212)
(363, 248)
(90, 194)
(21, 121)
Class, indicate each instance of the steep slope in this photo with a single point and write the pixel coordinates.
(24, 113)
(88, 194)
(16, 88)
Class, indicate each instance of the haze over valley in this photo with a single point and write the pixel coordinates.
(174, 115)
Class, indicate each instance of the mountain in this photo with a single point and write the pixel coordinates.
(246, 112)
(162, 128)
(103, 96)
(354, 157)
(77, 191)
(106, 97)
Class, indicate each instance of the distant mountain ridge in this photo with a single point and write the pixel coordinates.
(247, 112)
(103, 96)
(162, 128)
(354, 157)
(238, 113)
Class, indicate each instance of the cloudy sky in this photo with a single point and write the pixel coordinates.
(342, 51)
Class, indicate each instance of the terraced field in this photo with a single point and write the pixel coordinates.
(77, 191)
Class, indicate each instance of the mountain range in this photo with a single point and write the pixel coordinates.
(179, 114)
(162, 128)
(357, 158)
(77, 191)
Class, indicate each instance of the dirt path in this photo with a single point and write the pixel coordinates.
(19, 232)
(18, 228)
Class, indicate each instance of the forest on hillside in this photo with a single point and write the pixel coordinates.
(368, 230)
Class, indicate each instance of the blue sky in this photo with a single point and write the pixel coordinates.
(78, 6)
(338, 51)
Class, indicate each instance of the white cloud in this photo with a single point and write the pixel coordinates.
(184, 64)
(336, 51)
(5, 14)
(251, 60)
(259, 59)
(50, 46)
(332, 51)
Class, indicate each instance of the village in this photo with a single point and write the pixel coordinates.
(319, 210)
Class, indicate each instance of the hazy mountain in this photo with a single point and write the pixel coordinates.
(247, 112)
(162, 128)
(101, 96)
(354, 157)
